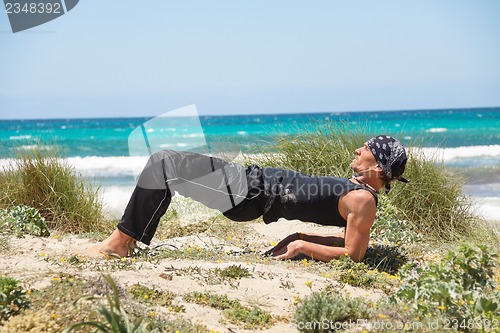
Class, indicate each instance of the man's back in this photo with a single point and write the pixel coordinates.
(294, 195)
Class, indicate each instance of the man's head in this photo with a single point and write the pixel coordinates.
(390, 156)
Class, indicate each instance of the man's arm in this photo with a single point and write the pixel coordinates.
(360, 209)
(329, 240)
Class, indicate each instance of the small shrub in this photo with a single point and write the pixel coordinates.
(387, 229)
(359, 274)
(23, 220)
(353, 273)
(385, 258)
(327, 312)
(461, 286)
(232, 310)
(220, 302)
(155, 297)
(230, 275)
(250, 318)
(13, 298)
(232, 272)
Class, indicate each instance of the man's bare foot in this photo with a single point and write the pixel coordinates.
(117, 245)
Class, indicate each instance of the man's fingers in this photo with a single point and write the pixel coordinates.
(268, 252)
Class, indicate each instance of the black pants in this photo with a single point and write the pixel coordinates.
(228, 187)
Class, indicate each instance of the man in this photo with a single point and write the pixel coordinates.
(245, 194)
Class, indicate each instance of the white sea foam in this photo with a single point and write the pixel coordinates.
(450, 154)
(115, 199)
(95, 166)
(20, 137)
(194, 135)
(487, 208)
(437, 130)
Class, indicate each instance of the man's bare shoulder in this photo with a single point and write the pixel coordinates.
(359, 199)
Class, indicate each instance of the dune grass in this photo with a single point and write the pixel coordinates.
(434, 203)
(326, 150)
(39, 178)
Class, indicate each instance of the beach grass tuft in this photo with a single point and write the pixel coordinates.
(434, 203)
(39, 178)
(326, 149)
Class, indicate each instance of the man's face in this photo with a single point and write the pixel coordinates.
(364, 160)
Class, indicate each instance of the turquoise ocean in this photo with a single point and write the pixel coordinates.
(465, 139)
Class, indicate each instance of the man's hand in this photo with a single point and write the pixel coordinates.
(283, 243)
(288, 251)
(312, 245)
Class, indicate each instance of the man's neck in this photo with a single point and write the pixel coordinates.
(375, 184)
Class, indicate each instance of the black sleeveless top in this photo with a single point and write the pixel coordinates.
(294, 195)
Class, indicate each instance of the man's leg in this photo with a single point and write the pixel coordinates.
(211, 181)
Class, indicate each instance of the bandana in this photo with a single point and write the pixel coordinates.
(390, 155)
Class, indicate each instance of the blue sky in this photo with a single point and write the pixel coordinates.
(129, 58)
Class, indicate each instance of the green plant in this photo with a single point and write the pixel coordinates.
(39, 178)
(353, 273)
(154, 296)
(13, 298)
(210, 299)
(229, 275)
(22, 220)
(232, 310)
(250, 318)
(327, 312)
(359, 274)
(385, 258)
(5, 242)
(115, 317)
(232, 272)
(460, 286)
(388, 229)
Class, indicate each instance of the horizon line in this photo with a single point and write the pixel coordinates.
(266, 114)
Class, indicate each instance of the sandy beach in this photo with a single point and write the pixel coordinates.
(36, 262)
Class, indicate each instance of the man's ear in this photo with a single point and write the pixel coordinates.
(378, 169)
